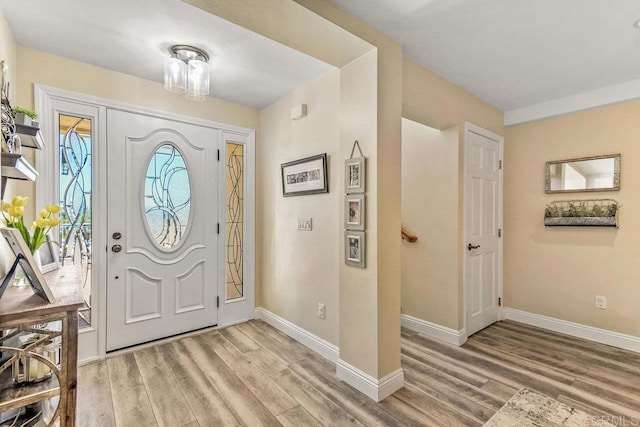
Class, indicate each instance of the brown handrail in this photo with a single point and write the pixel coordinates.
(411, 238)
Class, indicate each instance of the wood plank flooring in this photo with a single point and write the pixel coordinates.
(252, 374)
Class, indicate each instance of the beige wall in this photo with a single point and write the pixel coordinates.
(429, 196)
(358, 291)
(7, 54)
(384, 233)
(296, 270)
(558, 271)
(35, 66)
(432, 100)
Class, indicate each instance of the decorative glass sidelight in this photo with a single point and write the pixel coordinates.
(167, 196)
(75, 172)
(235, 214)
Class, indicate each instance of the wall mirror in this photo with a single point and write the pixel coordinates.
(599, 173)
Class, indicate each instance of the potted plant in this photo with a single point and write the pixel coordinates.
(24, 116)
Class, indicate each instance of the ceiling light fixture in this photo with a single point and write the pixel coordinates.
(187, 71)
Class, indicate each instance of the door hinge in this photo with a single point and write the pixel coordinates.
(218, 155)
(217, 302)
(499, 232)
(499, 301)
(499, 164)
(218, 228)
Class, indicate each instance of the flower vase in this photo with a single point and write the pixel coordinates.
(36, 257)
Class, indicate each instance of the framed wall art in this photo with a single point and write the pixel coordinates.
(354, 214)
(354, 248)
(305, 176)
(354, 175)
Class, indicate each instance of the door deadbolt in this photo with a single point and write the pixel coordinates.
(117, 236)
(116, 248)
(471, 247)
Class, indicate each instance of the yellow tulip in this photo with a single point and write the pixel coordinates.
(54, 209)
(44, 213)
(19, 202)
(16, 211)
(6, 206)
(42, 222)
(53, 222)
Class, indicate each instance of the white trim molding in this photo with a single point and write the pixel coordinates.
(314, 342)
(376, 389)
(615, 94)
(603, 336)
(433, 330)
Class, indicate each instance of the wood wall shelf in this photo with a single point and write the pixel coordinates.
(31, 136)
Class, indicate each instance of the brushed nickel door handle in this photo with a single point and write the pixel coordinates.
(116, 248)
(471, 247)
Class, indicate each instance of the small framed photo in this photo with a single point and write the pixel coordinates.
(305, 176)
(354, 211)
(354, 248)
(48, 256)
(354, 175)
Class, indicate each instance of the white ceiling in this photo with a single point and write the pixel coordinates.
(132, 37)
(514, 53)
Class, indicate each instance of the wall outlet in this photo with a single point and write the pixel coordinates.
(305, 224)
(601, 302)
(321, 312)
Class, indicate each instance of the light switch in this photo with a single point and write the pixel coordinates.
(305, 224)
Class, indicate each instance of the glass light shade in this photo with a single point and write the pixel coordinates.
(175, 75)
(197, 80)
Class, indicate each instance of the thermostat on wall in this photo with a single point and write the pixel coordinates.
(299, 112)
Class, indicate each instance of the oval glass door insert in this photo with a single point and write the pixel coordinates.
(167, 196)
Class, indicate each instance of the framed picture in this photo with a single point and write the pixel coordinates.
(305, 176)
(354, 175)
(354, 211)
(48, 256)
(354, 248)
(28, 264)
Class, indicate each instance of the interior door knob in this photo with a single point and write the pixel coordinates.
(471, 247)
(116, 248)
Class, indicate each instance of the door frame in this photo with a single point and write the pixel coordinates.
(472, 128)
(92, 341)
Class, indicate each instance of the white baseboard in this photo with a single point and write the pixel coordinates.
(433, 330)
(603, 336)
(376, 389)
(315, 343)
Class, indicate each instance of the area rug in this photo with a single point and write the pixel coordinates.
(532, 409)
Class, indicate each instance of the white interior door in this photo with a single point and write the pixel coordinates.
(162, 228)
(483, 203)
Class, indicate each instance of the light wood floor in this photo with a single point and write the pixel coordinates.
(251, 374)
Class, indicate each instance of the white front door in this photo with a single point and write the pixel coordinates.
(483, 157)
(162, 216)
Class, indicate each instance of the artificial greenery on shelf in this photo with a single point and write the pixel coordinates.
(582, 210)
(25, 111)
